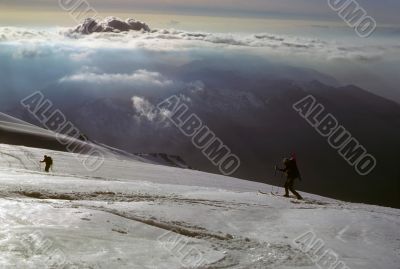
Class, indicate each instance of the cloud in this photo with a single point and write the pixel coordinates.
(146, 111)
(173, 23)
(31, 52)
(137, 78)
(171, 40)
(141, 81)
(196, 87)
(81, 55)
(144, 108)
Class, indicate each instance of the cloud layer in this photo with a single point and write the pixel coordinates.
(177, 40)
(137, 78)
(107, 58)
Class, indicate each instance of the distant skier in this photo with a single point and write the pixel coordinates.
(48, 161)
(292, 172)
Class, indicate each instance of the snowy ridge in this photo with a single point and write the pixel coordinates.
(119, 216)
(165, 159)
(153, 158)
(13, 124)
(16, 131)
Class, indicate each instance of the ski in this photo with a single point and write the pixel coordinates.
(294, 199)
(269, 193)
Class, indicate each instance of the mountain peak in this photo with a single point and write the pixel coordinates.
(110, 24)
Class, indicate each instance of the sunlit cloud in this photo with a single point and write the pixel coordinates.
(33, 43)
(140, 77)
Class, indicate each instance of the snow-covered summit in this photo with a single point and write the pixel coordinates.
(110, 24)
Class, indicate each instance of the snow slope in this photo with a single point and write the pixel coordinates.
(18, 132)
(131, 214)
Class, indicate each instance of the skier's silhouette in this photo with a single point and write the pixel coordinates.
(292, 172)
(48, 161)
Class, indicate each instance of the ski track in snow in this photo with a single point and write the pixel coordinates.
(113, 218)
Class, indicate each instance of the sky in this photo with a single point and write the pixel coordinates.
(324, 41)
(46, 12)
